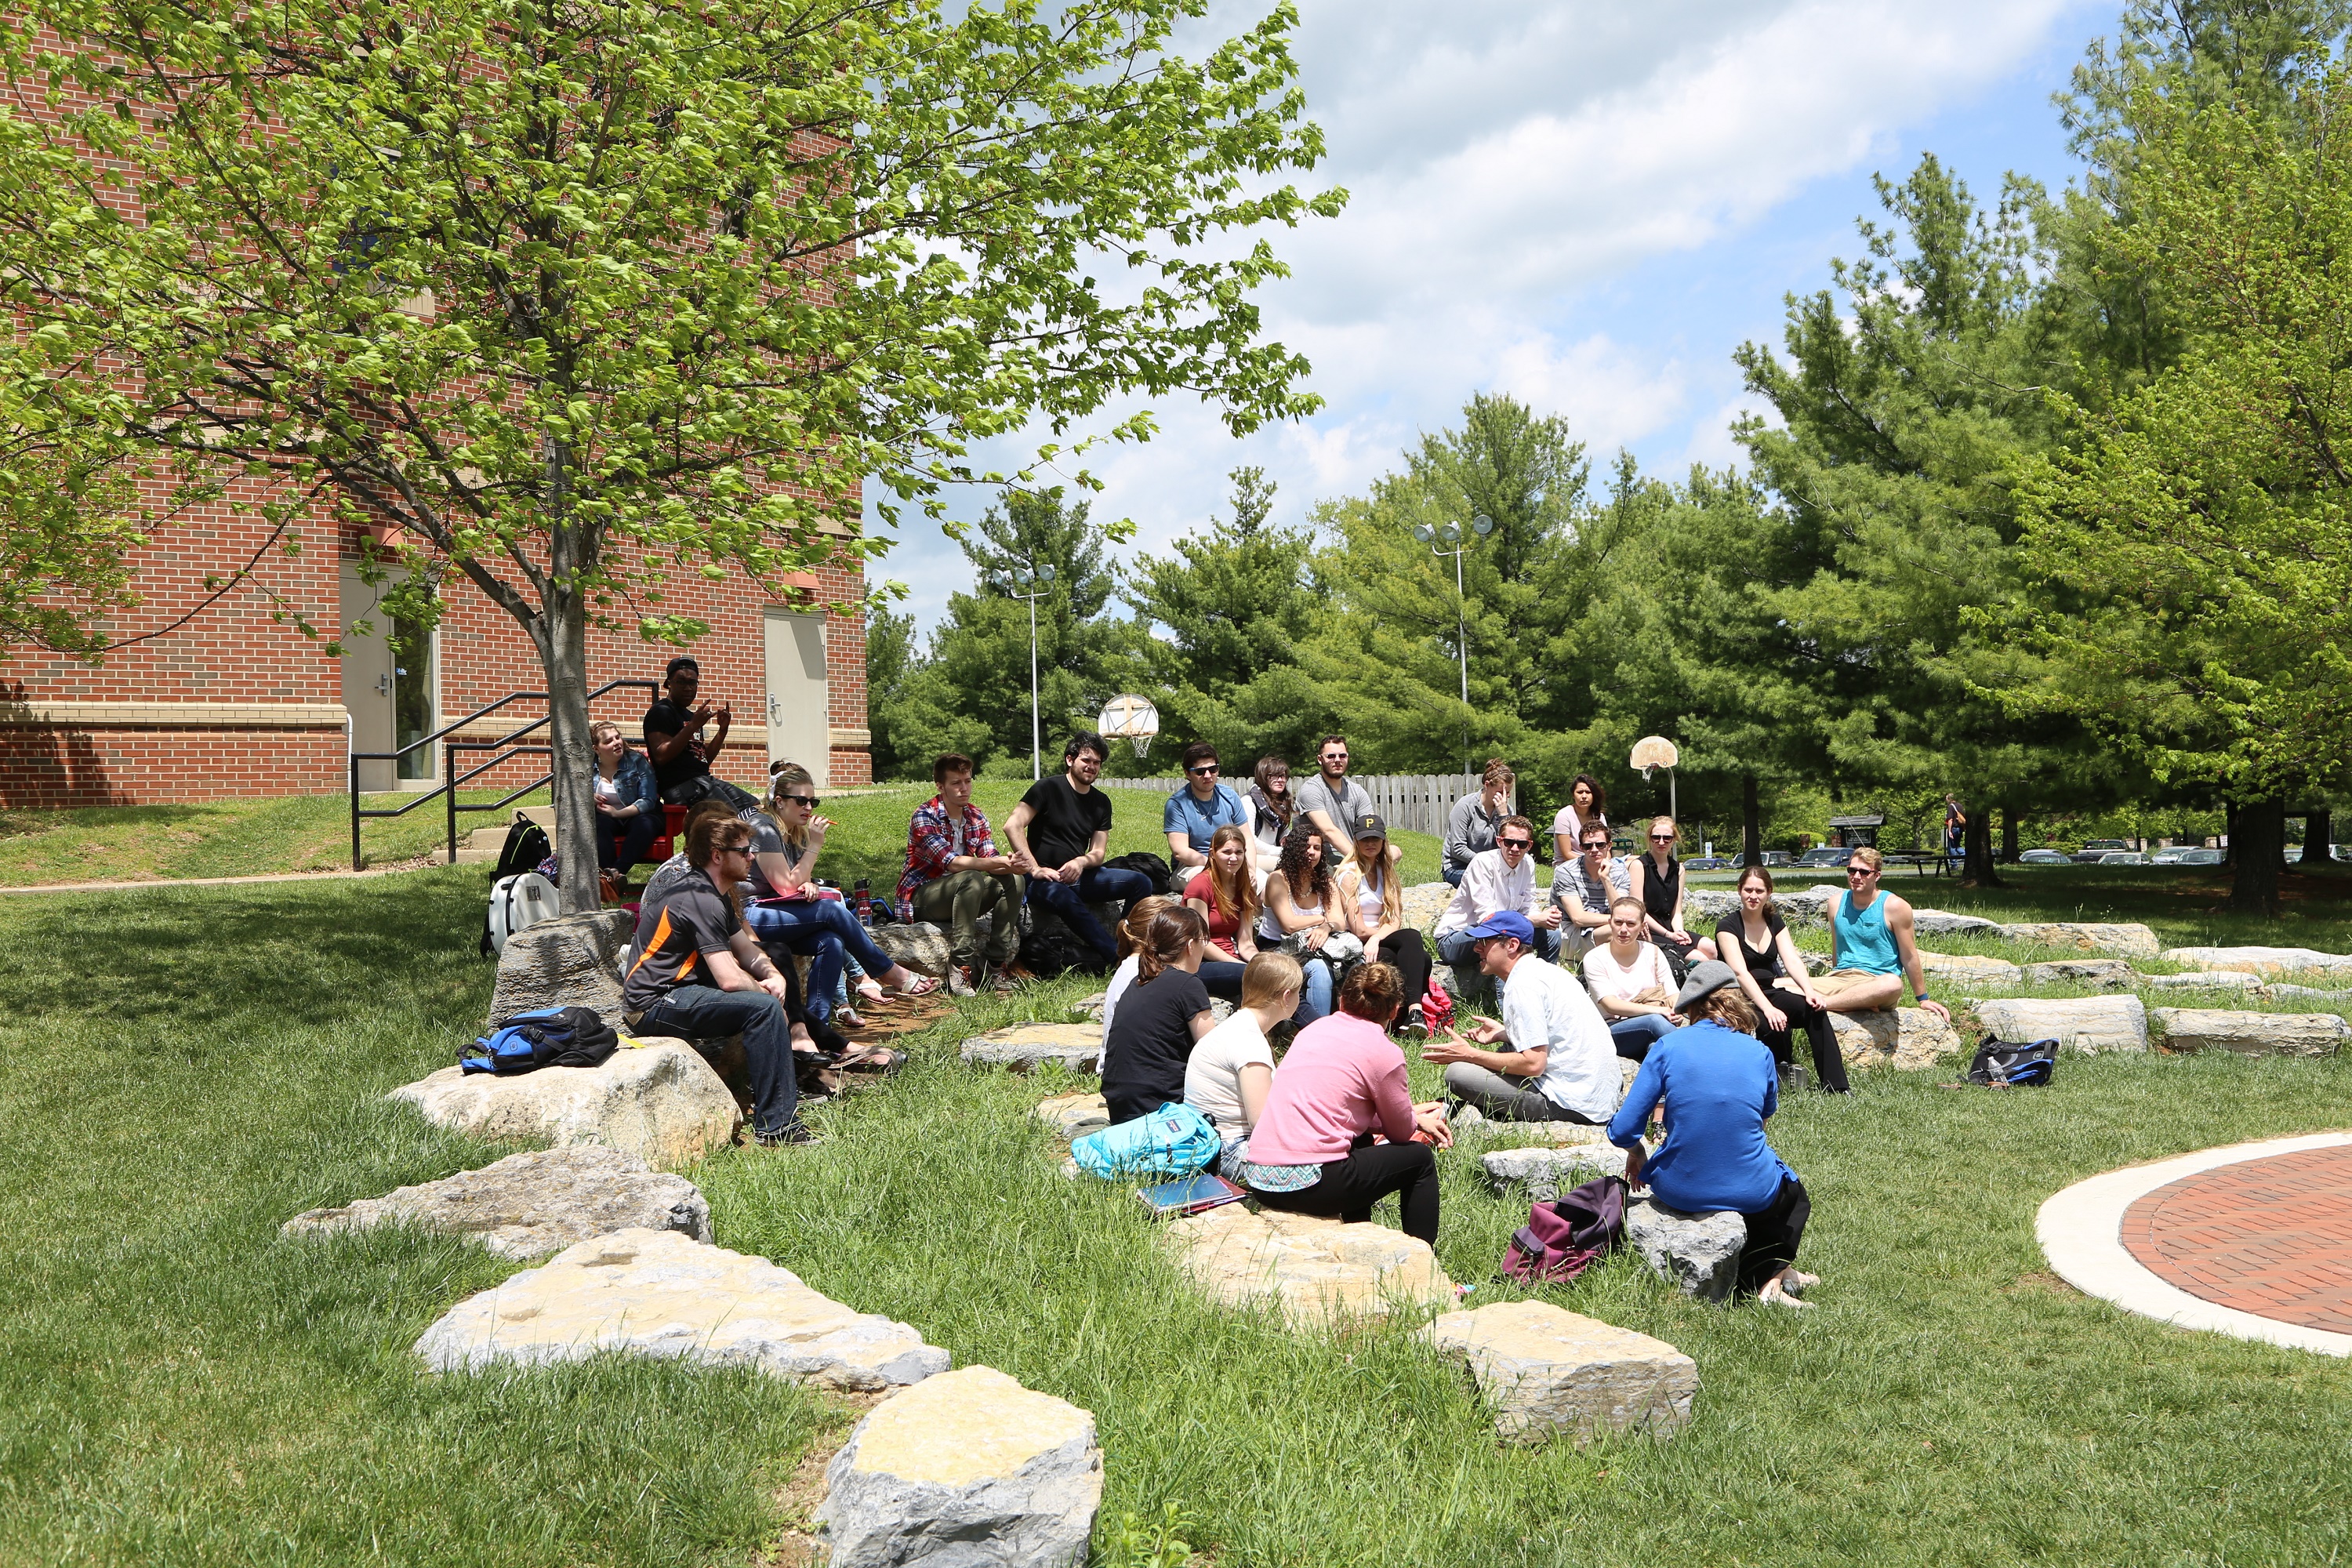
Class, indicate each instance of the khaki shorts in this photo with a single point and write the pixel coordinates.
(1838, 980)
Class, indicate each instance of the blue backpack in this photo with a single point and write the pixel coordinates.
(545, 1037)
(1174, 1140)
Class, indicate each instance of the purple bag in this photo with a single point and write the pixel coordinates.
(1562, 1237)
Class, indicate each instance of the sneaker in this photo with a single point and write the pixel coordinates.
(794, 1131)
(1416, 1023)
(960, 981)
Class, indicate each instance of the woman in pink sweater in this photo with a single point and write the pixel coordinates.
(1343, 1082)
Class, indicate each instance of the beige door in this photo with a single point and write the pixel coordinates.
(392, 700)
(800, 724)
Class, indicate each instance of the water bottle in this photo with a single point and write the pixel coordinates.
(865, 902)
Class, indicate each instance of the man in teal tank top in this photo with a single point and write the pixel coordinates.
(1872, 938)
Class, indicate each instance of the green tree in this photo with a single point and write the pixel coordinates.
(69, 521)
(893, 660)
(585, 297)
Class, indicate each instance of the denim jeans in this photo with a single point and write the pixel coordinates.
(621, 842)
(1634, 1037)
(821, 930)
(1098, 885)
(1453, 874)
(704, 1013)
(1314, 990)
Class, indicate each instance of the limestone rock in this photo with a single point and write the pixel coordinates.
(1911, 1038)
(658, 1293)
(1424, 901)
(1312, 1271)
(1544, 1135)
(966, 1469)
(2128, 940)
(1941, 922)
(1022, 1046)
(2253, 1034)
(1073, 1116)
(2260, 960)
(1805, 907)
(1092, 1006)
(1698, 1253)
(529, 1204)
(572, 961)
(2095, 974)
(2305, 993)
(1818, 962)
(661, 1103)
(922, 947)
(2202, 979)
(1548, 1371)
(1970, 968)
(1702, 906)
(2082, 1024)
(1547, 1172)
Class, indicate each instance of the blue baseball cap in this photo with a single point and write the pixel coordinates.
(1504, 923)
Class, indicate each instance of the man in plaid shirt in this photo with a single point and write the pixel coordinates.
(954, 876)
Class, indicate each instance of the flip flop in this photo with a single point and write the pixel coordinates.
(923, 987)
(880, 1060)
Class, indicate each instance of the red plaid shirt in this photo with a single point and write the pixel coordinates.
(931, 845)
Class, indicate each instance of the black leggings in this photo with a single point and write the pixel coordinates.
(1410, 953)
(1372, 1172)
(1829, 1061)
(1773, 1234)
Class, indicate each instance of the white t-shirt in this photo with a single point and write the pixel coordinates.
(1544, 1007)
(1121, 978)
(1567, 824)
(1212, 1075)
(1608, 978)
(608, 790)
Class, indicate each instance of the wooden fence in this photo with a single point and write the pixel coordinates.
(1409, 803)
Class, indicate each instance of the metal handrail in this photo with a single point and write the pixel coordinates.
(449, 781)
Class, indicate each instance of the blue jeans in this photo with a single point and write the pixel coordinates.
(821, 930)
(704, 1013)
(1314, 991)
(1098, 885)
(1456, 947)
(1222, 977)
(1453, 874)
(1634, 1037)
(621, 842)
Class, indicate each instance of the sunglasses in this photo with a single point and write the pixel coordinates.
(1204, 773)
(732, 849)
(807, 800)
(1661, 839)
(1861, 870)
(1516, 843)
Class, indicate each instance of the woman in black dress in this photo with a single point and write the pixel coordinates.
(1657, 879)
(1756, 944)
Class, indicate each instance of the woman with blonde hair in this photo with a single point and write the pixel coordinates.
(1231, 1071)
(1657, 881)
(1372, 897)
(1160, 1018)
(1225, 894)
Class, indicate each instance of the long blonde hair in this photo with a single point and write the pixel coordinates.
(1239, 904)
(789, 776)
(1391, 890)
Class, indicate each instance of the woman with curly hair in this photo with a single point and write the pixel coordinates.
(1301, 915)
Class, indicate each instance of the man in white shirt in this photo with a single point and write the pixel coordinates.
(1498, 879)
(1559, 1065)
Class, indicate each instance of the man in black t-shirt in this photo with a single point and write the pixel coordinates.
(1060, 832)
(698, 976)
(681, 757)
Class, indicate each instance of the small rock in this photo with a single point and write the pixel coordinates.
(1940, 922)
(572, 961)
(2079, 1024)
(964, 1468)
(2252, 1034)
(1968, 968)
(658, 1293)
(661, 1103)
(2305, 993)
(1545, 1134)
(922, 947)
(1548, 1371)
(1073, 1116)
(2260, 960)
(2202, 979)
(1910, 1038)
(529, 1204)
(1093, 1006)
(1698, 1253)
(1547, 1172)
(1022, 1046)
(1818, 962)
(2127, 939)
(2095, 974)
(1312, 1270)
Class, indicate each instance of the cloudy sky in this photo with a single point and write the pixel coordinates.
(1583, 203)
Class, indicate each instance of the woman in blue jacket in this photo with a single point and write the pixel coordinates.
(628, 810)
(1717, 1083)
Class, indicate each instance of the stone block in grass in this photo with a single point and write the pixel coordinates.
(966, 1468)
(2252, 1034)
(1545, 1174)
(2202, 979)
(659, 1293)
(1970, 969)
(530, 1205)
(922, 947)
(1943, 922)
(2261, 960)
(1547, 1372)
(2078, 1024)
(1073, 1116)
(1910, 1038)
(1312, 1271)
(572, 961)
(1024, 1047)
(1697, 1254)
(2092, 973)
(2116, 939)
(660, 1102)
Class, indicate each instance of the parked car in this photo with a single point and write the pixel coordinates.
(2127, 857)
(2199, 857)
(1824, 857)
(1770, 858)
(2171, 856)
(1706, 863)
(2042, 858)
(2097, 849)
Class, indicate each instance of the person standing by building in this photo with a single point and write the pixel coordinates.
(1061, 831)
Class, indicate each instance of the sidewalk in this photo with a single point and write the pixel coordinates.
(222, 882)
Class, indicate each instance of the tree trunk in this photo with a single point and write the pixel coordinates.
(1751, 822)
(563, 637)
(2257, 837)
(2009, 834)
(1977, 868)
(2318, 837)
(2228, 833)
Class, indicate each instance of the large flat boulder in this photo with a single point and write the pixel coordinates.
(2201, 980)
(1970, 969)
(1022, 1048)
(1545, 1174)
(2127, 939)
(2091, 974)
(529, 1204)
(922, 947)
(2261, 960)
(1698, 1253)
(2252, 1034)
(659, 1293)
(661, 1102)
(965, 1468)
(1547, 1135)
(1073, 1116)
(1312, 1271)
(1549, 1372)
(1424, 901)
(1910, 1038)
(572, 961)
(2280, 989)
(1942, 923)
(2078, 1024)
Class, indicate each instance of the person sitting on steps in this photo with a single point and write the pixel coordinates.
(1193, 814)
(1503, 878)
(681, 758)
(628, 805)
(1372, 897)
(1657, 879)
(1630, 980)
(1717, 1085)
(1756, 944)
(954, 876)
(1060, 832)
(1873, 946)
(1159, 1019)
(1555, 1064)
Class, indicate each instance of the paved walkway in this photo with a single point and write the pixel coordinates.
(219, 881)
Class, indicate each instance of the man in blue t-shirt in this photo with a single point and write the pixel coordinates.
(1194, 812)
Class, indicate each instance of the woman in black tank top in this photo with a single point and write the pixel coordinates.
(1775, 978)
(1658, 883)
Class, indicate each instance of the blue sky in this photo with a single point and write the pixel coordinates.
(1585, 204)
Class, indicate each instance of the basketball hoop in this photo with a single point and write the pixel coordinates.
(1655, 751)
(1133, 718)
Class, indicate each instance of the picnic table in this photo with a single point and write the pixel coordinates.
(1920, 859)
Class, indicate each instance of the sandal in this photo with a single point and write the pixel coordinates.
(880, 1060)
(923, 987)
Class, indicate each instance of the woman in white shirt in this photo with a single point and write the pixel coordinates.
(1630, 981)
(1232, 1069)
(1300, 903)
(1372, 897)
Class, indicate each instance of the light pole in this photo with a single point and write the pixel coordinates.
(1451, 534)
(1011, 581)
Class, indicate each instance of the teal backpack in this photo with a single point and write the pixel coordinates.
(1174, 1140)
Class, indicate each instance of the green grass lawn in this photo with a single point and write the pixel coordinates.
(185, 1068)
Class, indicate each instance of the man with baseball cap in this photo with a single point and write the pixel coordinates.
(1557, 1063)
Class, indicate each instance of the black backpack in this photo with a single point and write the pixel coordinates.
(525, 848)
(1052, 950)
(544, 1038)
(2008, 1064)
(1156, 866)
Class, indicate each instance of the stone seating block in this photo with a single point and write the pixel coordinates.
(572, 961)
(1547, 1372)
(2252, 1034)
(2117, 940)
(1022, 1048)
(1545, 1174)
(1313, 1271)
(1073, 1116)
(1970, 968)
(922, 947)
(1698, 1253)
(1910, 1038)
(2261, 960)
(2095, 974)
(1941, 922)
(2202, 979)
(529, 1204)
(2079, 1024)
(660, 1102)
